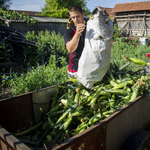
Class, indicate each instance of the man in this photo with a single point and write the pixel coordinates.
(74, 38)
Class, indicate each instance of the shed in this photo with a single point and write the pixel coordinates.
(133, 19)
(42, 24)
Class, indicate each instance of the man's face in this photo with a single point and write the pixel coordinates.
(77, 17)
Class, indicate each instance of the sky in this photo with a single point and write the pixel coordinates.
(37, 5)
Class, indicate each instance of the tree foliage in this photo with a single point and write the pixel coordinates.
(60, 9)
(5, 4)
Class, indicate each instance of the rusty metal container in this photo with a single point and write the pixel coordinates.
(22, 111)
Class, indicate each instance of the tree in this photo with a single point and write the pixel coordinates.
(5, 4)
(60, 9)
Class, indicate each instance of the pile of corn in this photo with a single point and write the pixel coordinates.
(74, 108)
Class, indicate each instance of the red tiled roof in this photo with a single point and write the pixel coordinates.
(134, 6)
(30, 13)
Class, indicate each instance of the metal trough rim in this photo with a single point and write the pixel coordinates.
(78, 137)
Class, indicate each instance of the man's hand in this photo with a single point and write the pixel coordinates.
(80, 28)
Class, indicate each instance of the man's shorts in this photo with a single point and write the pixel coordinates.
(72, 75)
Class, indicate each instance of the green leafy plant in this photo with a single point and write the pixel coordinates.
(5, 52)
(37, 78)
(117, 33)
(6, 14)
(54, 43)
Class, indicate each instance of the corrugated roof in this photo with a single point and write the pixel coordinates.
(49, 19)
(43, 19)
(133, 6)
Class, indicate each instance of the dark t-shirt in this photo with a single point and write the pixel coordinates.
(74, 57)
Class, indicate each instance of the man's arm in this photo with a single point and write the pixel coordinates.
(73, 43)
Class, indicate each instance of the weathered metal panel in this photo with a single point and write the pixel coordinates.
(58, 27)
(90, 139)
(41, 99)
(16, 113)
(122, 124)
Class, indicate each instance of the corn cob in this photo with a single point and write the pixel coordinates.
(61, 119)
(64, 101)
(113, 83)
(95, 118)
(81, 127)
(136, 61)
(121, 85)
(68, 122)
(108, 113)
(119, 92)
(76, 99)
(134, 94)
(54, 109)
(79, 113)
(96, 95)
(112, 101)
(28, 131)
(103, 97)
(104, 102)
(54, 113)
(84, 92)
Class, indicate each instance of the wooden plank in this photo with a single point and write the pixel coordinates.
(136, 15)
(125, 25)
(8, 141)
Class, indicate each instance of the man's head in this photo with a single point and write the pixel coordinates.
(76, 14)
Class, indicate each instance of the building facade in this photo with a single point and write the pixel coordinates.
(133, 19)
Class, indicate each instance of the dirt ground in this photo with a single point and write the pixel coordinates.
(5, 93)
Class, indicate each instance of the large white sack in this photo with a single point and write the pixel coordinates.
(95, 58)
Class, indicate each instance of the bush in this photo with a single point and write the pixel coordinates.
(44, 40)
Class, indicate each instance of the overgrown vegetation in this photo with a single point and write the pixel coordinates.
(47, 38)
(38, 77)
(50, 46)
(6, 14)
(48, 43)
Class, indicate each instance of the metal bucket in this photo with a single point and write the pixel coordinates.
(143, 41)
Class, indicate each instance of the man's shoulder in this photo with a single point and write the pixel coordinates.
(70, 30)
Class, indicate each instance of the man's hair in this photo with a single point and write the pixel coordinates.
(76, 8)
